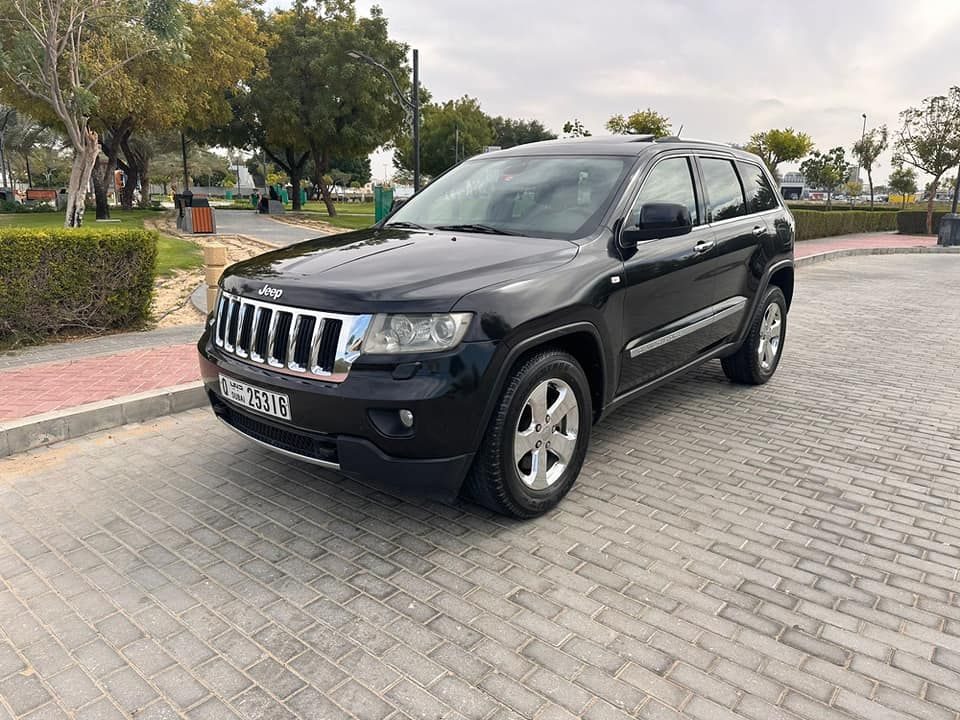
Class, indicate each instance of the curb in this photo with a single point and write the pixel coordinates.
(849, 252)
(39, 430)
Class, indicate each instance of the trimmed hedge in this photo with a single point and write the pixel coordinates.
(813, 224)
(54, 281)
(914, 222)
(842, 207)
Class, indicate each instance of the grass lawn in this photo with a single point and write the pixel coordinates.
(172, 253)
(350, 216)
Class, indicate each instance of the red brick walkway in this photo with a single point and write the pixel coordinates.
(866, 240)
(34, 389)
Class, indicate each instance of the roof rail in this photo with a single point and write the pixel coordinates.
(614, 138)
(675, 138)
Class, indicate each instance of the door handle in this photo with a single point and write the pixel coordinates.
(704, 246)
(758, 230)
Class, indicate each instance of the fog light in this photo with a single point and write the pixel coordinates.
(406, 417)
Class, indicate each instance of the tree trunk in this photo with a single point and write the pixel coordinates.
(26, 160)
(930, 201)
(104, 170)
(829, 199)
(321, 165)
(295, 172)
(870, 180)
(83, 160)
(126, 195)
(144, 182)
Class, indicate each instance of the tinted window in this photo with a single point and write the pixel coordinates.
(760, 195)
(670, 181)
(723, 189)
(560, 196)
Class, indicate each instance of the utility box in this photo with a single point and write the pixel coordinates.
(382, 202)
(949, 233)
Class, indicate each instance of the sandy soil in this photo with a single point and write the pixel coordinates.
(171, 298)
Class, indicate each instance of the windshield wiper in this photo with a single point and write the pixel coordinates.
(404, 224)
(476, 228)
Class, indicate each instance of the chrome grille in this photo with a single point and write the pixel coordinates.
(289, 340)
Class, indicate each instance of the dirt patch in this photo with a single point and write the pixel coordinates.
(171, 297)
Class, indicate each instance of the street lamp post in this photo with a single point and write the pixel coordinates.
(413, 104)
(863, 134)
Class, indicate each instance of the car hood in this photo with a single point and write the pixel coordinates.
(379, 270)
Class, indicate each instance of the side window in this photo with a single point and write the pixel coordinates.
(670, 181)
(723, 189)
(760, 195)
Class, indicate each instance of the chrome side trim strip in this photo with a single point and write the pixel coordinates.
(268, 446)
(721, 311)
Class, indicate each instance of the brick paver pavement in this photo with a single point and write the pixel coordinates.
(788, 551)
(862, 241)
(34, 389)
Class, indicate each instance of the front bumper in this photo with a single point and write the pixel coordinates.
(341, 425)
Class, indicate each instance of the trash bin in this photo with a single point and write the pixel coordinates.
(382, 202)
(949, 233)
(228, 194)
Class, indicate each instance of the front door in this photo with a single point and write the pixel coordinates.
(669, 283)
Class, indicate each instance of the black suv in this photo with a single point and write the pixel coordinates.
(471, 339)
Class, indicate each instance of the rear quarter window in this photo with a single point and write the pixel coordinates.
(756, 187)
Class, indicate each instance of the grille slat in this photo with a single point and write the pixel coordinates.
(287, 339)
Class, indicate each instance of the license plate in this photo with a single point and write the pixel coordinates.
(250, 396)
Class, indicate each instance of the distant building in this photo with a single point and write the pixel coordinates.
(793, 186)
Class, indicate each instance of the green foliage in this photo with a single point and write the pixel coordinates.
(903, 181)
(914, 222)
(779, 146)
(55, 281)
(642, 122)
(825, 170)
(868, 149)
(575, 128)
(450, 132)
(820, 207)
(509, 132)
(177, 254)
(812, 224)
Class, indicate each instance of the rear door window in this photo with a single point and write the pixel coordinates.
(723, 189)
(760, 196)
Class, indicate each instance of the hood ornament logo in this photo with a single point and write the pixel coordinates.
(270, 292)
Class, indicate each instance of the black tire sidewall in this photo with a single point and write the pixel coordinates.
(773, 296)
(562, 367)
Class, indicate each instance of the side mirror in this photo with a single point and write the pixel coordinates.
(657, 220)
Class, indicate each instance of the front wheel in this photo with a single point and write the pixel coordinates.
(537, 438)
(757, 359)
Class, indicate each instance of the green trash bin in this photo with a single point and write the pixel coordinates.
(382, 202)
(303, 198)
(228, 194)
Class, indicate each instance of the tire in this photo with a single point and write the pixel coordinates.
(526, 488)
(754, 364)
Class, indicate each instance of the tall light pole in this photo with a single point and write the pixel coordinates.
(863, 134)
(413, 104)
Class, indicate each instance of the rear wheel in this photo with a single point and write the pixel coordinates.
(757, 359)
(537, 438)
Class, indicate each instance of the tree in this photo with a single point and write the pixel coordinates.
(903, 182)
(929, 140)
(868, 149)
(642, 122)
(508, 132)
(853, 189)
(309, 104)
(826, 170)
(48, 59)
(779, 146)
(181, 87)
(575, 128)
(449, 132)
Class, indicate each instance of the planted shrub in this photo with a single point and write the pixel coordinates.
(813, 224)
(914, 222)
(73, 280)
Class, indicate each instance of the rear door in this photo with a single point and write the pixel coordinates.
(737, 233)
(669, 282)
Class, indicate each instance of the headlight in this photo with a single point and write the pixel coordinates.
(391, 334)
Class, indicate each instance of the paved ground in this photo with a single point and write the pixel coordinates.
(786, 552)
(261, 227)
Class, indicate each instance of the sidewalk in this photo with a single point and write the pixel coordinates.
(53, 381)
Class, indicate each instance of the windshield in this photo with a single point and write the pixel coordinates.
(553, 197)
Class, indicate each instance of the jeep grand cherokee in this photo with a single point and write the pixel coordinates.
(471, 339)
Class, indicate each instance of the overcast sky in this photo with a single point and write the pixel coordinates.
(721, 68)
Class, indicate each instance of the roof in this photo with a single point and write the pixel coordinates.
(631, 145)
